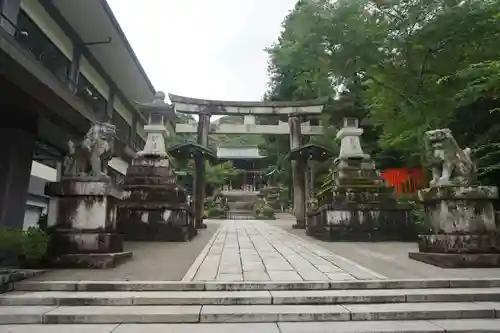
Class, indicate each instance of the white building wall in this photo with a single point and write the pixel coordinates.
(35, 207)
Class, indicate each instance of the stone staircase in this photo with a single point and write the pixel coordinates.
(459, 305)
(240, 204)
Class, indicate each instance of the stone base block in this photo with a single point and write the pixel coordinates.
(161, 232)
(299, 226)
(84, 204)
(460, 209)
(200, 225)
(458, 260)
(165, 225)
(335, 235)
(91, 260)
(63, 242)
(442, 243)
(370, 225)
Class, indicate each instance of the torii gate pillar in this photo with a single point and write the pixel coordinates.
(199, 178)
(298, 175)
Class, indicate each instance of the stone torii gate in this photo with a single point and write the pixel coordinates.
(293, 109)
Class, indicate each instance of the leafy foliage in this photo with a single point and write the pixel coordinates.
(30, 244)
(216, 175)
(409, 66)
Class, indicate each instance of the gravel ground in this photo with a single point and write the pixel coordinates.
(160, 261)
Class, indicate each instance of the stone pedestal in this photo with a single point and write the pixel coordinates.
(154, 206)
(360, 208)
(85, 231)
(272, 193)
(464, 229)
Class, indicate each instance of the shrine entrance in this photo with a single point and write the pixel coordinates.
(250, 181)
(247, 159)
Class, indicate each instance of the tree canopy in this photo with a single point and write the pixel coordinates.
(408, 66)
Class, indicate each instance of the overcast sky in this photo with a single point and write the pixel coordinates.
(211, 49)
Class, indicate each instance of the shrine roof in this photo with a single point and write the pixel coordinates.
(239, 152)
(188, 150)
(310, 151)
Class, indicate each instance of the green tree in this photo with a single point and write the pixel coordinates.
(410, 65)
(216, 175)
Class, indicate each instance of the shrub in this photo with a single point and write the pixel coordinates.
(215, 213)
(10, 239)
(264, 212)
(34, 244)
(29, 246)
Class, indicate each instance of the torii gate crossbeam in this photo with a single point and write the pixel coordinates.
(293, 109)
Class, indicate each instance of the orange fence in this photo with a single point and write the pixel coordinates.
(404, 181)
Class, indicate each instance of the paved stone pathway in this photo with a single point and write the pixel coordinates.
(250, 250)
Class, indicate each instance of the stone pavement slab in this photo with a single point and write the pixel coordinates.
(360, 296)
(123, 314)
(271, 313)
(23, 314)
(402, 326)
(252, 250)
(420, 311)
(198, 328)
(54, 298)
(469, 325)
(102, 328)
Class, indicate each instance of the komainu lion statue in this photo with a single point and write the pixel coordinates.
(450, 164)
(90, 157)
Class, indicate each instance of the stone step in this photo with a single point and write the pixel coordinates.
(245, 313)
(289, 297)
(435, 326)
(241, 286)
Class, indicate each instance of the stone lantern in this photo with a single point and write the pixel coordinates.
(360, 207)
(160, 116)
(155, 206)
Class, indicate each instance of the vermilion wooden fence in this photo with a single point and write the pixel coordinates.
(404, 181)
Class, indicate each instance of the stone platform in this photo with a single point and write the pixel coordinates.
(458, 260)
(91, 260)
(84, 235)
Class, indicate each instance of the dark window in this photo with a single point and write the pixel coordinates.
(33, 39)
(123, 129)
(88, 93)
